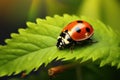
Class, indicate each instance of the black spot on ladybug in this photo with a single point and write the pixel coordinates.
(78, 29)
(69, 39)
(66, 30)
(79, 21)
(59, 40)
(88, 29)
(63, 35)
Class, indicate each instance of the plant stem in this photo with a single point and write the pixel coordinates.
(58, 69)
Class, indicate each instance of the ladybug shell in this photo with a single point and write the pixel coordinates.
(79, 30)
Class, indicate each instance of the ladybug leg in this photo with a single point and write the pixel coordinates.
(72, 47)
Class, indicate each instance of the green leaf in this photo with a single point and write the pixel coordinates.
(36, 45)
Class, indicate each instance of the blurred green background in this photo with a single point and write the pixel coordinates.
(15, 13)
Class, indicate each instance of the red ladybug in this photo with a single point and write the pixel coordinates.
(75, 32)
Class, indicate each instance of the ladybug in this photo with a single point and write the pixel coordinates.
(75, 32)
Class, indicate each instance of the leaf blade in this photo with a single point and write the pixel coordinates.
(36, 45)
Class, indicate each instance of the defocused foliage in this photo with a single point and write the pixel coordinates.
(14, 13)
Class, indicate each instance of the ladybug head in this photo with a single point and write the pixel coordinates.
(60, 43)
(64, 40)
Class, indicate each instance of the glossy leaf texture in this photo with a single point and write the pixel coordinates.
(36, 45)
